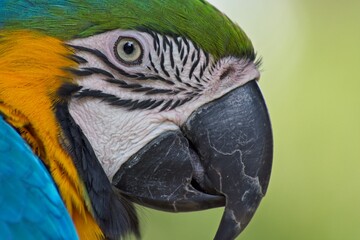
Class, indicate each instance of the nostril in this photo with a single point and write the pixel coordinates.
(227, 72)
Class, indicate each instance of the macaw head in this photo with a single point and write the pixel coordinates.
(154, 102)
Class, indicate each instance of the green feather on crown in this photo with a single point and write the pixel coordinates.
(195, 19)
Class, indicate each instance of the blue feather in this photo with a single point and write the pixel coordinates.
(30, 205)
(24, 10)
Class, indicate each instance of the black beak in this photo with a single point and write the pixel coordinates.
(221, 157)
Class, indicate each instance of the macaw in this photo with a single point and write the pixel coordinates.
(108, 103)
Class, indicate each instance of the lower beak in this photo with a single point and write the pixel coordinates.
(221, 157)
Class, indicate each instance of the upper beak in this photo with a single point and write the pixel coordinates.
(221, 157)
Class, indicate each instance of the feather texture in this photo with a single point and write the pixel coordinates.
(30, 205)
(82, 18)
(30, 76)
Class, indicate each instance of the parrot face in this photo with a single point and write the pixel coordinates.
(170, 125)
(152, 89)
(147, 102)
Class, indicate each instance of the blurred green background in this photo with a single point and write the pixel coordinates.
(311, 82)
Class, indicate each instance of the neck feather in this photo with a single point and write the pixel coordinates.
(30, 75)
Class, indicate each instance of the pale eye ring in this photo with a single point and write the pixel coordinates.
(128, 50)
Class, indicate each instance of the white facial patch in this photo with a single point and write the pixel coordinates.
(122, 107)
(114, 133)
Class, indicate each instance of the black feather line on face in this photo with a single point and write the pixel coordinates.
(78, 72)
(193, 57)
(67, 90)
(99, 71)
(172, 61)
(197, 79)
(195, 64)
(166, 105)
(77, 59)
(140, 88)
(177, 103)
(178, 44)
(156, 104)
(125, 103)
(182, 52)
(152, 64)
(115, 215)
(186, 57)
(159, 91)
(162, 61)
(186, 43)
(165, 43)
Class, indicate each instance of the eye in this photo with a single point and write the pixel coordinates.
(128, 50)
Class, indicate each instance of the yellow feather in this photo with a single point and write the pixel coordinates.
(30, 75)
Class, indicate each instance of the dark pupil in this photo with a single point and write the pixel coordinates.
(128, 48)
